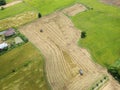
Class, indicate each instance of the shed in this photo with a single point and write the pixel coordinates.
(18, 40)
(3, 45)
(9, 32)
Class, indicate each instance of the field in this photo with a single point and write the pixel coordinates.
(57, 35)
(22, 68)
(17, 20)
(8, 1)
(64, 59)
(15, 9)
(103, 31)
(44, 7)
(34, 6)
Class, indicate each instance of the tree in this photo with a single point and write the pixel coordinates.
(2, 2)
(115, 72)
(83, 34)
(39, 15)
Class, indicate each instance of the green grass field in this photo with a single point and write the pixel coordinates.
(102, 25)
(8, 1)
(22, 68)
(43, 6)
(48, 6)
(14, 10)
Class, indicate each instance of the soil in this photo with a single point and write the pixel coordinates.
(75, 9)
(64, 58)
(112, 2)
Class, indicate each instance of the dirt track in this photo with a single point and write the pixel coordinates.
(64, 58)
(112, 2)
(12, 3)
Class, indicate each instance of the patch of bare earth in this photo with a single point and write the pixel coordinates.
(112, 2)
(56, 37)
(75, 9)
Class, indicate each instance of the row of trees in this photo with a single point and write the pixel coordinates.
(115, 72)
(2, 2)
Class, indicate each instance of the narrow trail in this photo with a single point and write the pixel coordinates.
(64, 58)
(12, 3)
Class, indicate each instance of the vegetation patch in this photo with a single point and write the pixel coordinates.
(17, 20)
(114, 70)
(98, 84)
(102, 28)
(22, 68)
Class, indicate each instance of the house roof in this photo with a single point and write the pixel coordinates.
(3, 45)
(9, 32)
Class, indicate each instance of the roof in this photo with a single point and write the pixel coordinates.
(18, 40)
(3, 45)
(9, 32)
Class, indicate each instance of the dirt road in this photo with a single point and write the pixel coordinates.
(12, 3)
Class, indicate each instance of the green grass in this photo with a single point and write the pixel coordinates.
(14, 10)
(27, 63)
(8, 1)
(48, 6)
(102, 25)
(43, 6)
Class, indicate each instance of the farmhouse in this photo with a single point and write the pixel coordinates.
(9, 32)
(3, 45)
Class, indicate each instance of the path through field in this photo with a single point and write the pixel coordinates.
(64, 58)
(12, 3)
(112, 2)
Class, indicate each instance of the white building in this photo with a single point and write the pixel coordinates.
(3, 45)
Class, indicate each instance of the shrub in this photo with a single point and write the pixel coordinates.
(2, 2)
(2, 8)
(13, 70)
(83, 34)
(23, 38)
(114, 71)
(39, 15)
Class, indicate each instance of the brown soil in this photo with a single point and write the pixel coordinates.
(64, 58)
(112, 2)
(75, 9)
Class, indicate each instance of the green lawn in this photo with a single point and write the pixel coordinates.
(102, 25)
(14, 10)
(8, 1)
(22, 68)
(43, 6)
(48, 6)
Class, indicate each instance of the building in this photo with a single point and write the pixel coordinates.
(9, 32)
(3, 45)
(18, 40)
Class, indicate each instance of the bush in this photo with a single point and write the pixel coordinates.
(114, 71)
(23, 38)
(13, 70)
(2, 2)
(83, 34)
(39, 15)
(2, 8)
